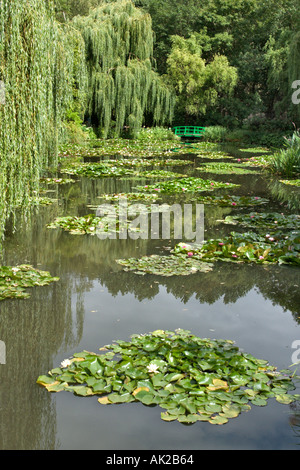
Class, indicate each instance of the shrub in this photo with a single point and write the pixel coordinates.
(215, 134)
(156, 133)
(287, 160)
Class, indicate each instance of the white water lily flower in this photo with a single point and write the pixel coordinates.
(65, 363)
(152, 368)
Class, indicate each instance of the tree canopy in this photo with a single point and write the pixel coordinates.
(123, 84)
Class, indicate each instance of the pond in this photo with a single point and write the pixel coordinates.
(96, 302)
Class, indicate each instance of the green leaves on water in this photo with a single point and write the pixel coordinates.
(14, 280)
(249, 247)
(190, 378)
(115, 168)
(294, 182)
(57, 180)
(281, 248)
(188, 184)
(269, 220)
(230, 200)
(89, 224)
(225, 168)
(135, 197)
(77, 225)
(164, 265)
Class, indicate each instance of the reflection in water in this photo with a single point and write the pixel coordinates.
(37, 329)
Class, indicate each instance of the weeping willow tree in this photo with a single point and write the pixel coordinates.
(123, 85)
(282, 55)
(41, 70)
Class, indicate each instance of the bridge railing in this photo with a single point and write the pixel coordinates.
(195, 131)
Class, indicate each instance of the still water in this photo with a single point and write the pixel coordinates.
(95, 302)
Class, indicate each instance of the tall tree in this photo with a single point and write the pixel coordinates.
(37, 64)
(123, 86)
(198, 84)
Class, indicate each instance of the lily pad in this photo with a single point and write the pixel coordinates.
(224, 168)
(127, 374)
(14, 280)
(269, 220)
(231, 200)
(248, 247)
(188, 184)
(164, 265)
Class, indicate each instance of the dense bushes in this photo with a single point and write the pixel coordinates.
(286, 161)
(245, 136)
(42, 68)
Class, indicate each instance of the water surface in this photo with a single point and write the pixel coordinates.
(95, 302)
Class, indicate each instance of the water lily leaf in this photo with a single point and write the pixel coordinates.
(145, 397)
(218, 384)
(139, 389)
(45, 380)
(56, 387)
(120, 398)
(231, 381)
(80, 390)
(104, 401)
(259, 401)
(191, 418)
(230, 410)
(213, 408)
(218, 420)
(165, 416)
(284, 399)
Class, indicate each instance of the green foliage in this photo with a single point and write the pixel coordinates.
(190, 378)
(265, 220)
(65, 10)
(117, 169)
(164, 265)
(198, 84)
(123, 85)
(229, 200)
(215, 133)
(224, 168)
(249, 247)
(156, 133)
(14, 280)
(43, 71)
(287, 161)
(188, 184)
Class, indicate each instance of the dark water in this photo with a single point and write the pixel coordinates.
(95, 302)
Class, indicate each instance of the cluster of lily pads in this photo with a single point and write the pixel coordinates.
(226, 168)
(119, 147)
(294, 182)
(232, 200)
(171, 265)
(192, 379)
(91, 224)
(53, 180)
(249, 247)
(270, 220)
(135, 197)
(15, 279)
(281, 248)
(101, 170)
(188, 184)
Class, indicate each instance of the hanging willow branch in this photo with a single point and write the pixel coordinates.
(42, 65)
(122, 83)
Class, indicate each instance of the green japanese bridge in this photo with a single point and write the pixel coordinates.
(189, 131)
